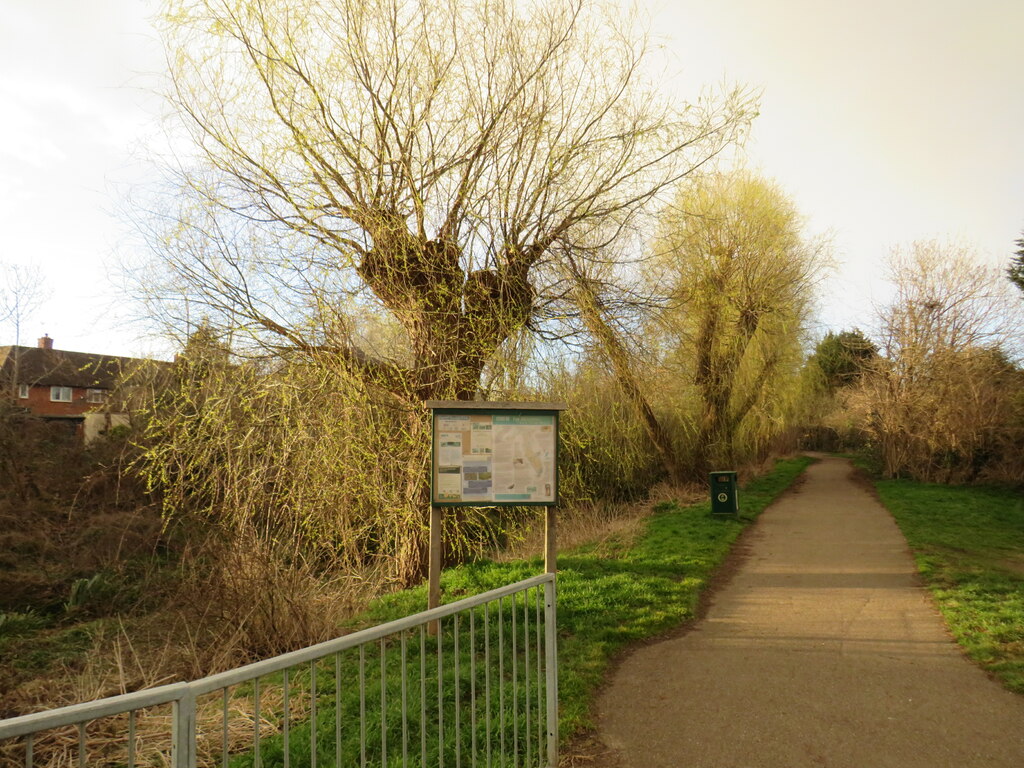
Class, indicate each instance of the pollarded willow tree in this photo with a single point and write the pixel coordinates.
(419, 168)
(424, 159)
(740, 277)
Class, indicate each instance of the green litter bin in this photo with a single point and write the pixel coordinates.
(724, 496)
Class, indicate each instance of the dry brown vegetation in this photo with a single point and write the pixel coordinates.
(940, 397)
(599, 523)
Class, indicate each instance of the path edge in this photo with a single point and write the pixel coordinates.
(586, 748)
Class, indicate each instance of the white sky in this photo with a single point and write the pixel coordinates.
(886, 121)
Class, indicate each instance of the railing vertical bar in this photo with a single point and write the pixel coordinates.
(224, 727)
(501, 679)
(131, 739)
(423, 696)
(362, 705)
(472, 685)
(515, 685)
(405, 699)
(551, 671)
(312, 714)
(286, 716)
(81, 745)
(526, 675)
(539, 665)
(440, 694)
(458, 681)
(256, 723)
(383, 704)
(337, 710)
(29, 746)
(487, 679)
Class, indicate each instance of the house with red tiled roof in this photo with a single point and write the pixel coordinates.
(62, 385)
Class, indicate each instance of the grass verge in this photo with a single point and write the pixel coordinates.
(969, 546)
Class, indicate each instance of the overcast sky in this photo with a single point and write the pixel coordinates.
(886, 121)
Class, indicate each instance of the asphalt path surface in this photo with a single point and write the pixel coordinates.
(823, 649)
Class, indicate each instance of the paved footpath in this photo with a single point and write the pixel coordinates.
(822, 650)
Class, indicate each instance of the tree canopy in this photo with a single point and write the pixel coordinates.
(740, 277)
(429, 160)
(843, 357)
(941, 398)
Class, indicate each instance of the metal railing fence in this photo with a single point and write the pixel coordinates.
(480, 693)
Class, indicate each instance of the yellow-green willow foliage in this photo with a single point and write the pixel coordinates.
(300, 463)
(301, 456)
(739, 277)
(605, 450)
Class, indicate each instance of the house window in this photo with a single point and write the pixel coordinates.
(60, 394)
(23, 391)
(96, 395)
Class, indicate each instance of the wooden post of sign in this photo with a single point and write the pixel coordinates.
(550, 541)
(434, 566)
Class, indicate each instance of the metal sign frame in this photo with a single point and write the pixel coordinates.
(442, 408)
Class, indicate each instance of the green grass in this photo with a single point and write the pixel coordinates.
(608, 598)
(30, 644)
(969, 546)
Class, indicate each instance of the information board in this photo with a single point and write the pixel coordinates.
(500, 457)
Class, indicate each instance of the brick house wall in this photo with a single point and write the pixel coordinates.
(39, 401)
(41, 371)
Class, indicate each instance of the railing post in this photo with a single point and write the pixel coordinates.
(550, 540)
(184, 735)
(434, 566)
(551, 670)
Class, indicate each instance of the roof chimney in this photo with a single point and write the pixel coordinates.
(46, 342)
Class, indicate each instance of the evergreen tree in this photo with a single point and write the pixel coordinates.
(1015, 272)
(843, 357)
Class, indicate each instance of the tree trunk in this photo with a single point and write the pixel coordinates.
(455, 322)
(618, 356)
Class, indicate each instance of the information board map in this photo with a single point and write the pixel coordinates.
(503, 458)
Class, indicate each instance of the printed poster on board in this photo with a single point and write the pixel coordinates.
(482, 458)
